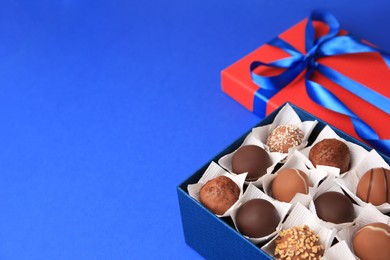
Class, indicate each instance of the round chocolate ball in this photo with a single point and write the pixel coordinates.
(284, 137)
(298, 242)
(334, 207)
(331, 152)
(219, 194)
(289, 182)
(252, 159)
(373, 187)
(257, 218)
(372, 242)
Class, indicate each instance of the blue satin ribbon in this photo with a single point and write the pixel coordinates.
(324, 46)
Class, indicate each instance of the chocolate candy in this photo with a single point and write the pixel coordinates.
(331, 152)
(372, 242)
(289, 182)
(219, 194)
(284, 137)
(334, 207)
(298, 243)
(257, 218)
(251, 159)
(374, 186)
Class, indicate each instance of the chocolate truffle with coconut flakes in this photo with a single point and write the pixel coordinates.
(284, 137)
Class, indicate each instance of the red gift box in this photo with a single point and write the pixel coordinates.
(368, 69)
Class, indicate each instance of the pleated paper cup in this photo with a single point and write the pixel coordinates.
(370, 214)
(329, 185)
(357, 152)
(295, 162)
(300, 216)
(226, 161)
(286, 116)
(212, 172)
(252, 192)
(339, 251)
(350, 181)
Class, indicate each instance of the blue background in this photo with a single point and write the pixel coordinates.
(106, 106)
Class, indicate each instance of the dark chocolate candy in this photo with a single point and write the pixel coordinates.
(331, 152)
(374, 186)
(252, 159)
(334, 207)
(257, 218)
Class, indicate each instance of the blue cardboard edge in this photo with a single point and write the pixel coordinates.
(213, 237)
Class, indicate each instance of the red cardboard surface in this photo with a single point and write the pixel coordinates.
(368, 69)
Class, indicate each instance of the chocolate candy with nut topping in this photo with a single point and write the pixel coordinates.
(298, 242)
(252, 159)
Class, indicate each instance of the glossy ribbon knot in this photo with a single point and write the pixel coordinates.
(329, 44)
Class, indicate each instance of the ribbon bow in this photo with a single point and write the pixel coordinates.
(327, 45)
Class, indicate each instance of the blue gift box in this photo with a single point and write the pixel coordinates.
(216, 238)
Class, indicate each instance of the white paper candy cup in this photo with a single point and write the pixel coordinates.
(349, 182)
(370, 214)
(295, 162)
(226, 161)
(286, 116)
(339, 251)
(357, 152)
(212, 172)
(253, 192)
(300, 216)
(326, 186)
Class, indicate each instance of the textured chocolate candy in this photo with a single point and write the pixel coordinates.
(257, 218)
(284, 137)
(334, 207)
(374, 186)
(331, 152)
(372, 242)
(252, 159)
(289, 182)
(219, 194)
(298, 243)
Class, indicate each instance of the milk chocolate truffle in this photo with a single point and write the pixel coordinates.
(298, 243)
(374, 186)
(372, 242)
(219, 194)
(289, 182)
(334, 207)
(251, 159)
(331, 152)
(257, 218)
(284, 137)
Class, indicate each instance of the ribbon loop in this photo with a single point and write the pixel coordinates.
(329, 44)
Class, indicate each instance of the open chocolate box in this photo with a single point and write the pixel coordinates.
(216, 237)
